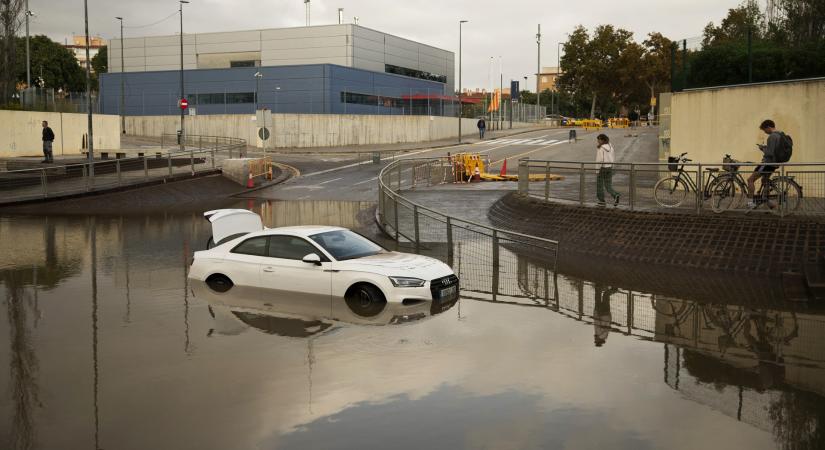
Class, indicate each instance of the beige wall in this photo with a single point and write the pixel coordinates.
(21, 132)
(312, 130)
(711, 122)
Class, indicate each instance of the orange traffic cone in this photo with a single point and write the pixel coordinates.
(250, 183)
(503, 172)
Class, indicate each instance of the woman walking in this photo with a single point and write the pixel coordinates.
(605, 155)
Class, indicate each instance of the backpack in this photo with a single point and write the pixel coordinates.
(784, 150)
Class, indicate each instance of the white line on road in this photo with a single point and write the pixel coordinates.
(330, 181)
(365, 181)
(531, 151)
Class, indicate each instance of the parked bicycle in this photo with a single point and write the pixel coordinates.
(781, 193)
(671, 191)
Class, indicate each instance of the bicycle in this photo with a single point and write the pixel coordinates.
(782, 194)
(671, 191)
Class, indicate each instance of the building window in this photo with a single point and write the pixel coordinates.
(389, 68)
(245, 63)
(206, 99)
(240, 97)
(370, 100)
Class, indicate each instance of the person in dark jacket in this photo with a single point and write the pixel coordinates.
(482, 125)
(48, 139)
(765, 169)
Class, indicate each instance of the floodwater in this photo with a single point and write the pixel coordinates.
(104, 343)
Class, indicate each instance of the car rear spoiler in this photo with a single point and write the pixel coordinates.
(228, 222)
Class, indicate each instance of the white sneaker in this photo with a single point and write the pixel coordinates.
(752, 205)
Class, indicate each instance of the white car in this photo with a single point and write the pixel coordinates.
(318, 262)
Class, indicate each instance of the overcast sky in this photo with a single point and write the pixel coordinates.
(496, 28)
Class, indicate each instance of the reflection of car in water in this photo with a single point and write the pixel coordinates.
(318, 263)
(241, 307)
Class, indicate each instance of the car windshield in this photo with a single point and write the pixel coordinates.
(344, 244)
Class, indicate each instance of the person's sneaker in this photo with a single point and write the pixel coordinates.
(616, 200)
(601, 204)
(752, 205)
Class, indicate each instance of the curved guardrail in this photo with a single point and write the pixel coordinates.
(199, 154)
(637, 183)
(452, 239)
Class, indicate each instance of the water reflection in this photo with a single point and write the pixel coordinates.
(105, 331)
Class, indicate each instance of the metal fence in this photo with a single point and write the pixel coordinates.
(688, 187)
(448, 238)
(50, 100)
(200, 154)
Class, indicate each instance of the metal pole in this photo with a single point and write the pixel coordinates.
(28, 52)
(182, 94)
(538, 72)
(684, 63)
(750, 54)
(500, 95)
(90, 132)
(460, 23)
(415, 228)
(122, 81)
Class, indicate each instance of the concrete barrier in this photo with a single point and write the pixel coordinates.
(707, 123)
(312, 130)
(21, 132)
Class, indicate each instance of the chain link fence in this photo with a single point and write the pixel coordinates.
(51, 100)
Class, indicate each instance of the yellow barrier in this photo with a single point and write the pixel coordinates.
(618, 123)
(260, 167)
(592, 124)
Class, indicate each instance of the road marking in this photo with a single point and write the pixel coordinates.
(330, 181)
(527, 153)
(365, 181)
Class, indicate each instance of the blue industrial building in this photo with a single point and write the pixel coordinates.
(300, 89)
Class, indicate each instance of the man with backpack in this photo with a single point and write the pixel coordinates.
(778, 149)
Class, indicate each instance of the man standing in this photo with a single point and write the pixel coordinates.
(482, 125)
(48, 139)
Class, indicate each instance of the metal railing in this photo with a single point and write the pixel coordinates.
(637, 183)
(445, 237)
(201, 154)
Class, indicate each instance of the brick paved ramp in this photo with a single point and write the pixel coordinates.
(760, 244)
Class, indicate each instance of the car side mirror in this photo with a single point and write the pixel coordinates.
(312, 258)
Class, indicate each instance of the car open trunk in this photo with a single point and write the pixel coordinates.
(232, 222)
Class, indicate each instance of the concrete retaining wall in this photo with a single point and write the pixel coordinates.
(708, 123)
(21, 132)
(312, 130)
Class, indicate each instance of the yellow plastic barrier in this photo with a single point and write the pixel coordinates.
(260, 167)
(618, 123)
(592, 124)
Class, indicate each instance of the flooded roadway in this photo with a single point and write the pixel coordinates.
(108, 345)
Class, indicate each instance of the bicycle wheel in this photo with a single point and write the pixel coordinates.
(725, 194)
(670, 192)
(784, 196)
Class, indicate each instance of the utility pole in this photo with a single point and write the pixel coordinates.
(500, 95)
(558, 74)
(28, 52)
(460, 93)
(306, 4)
(90, 132)
(182, 137)
(122, 81)
(538, 73)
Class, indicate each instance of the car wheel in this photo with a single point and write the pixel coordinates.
(365, 300)
(219, 283)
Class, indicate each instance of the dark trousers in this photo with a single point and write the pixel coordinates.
(47, 151)
(604, 182)
(481, 133)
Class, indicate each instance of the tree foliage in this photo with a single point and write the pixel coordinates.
(52, 65)
(100, 62)
(11, 17)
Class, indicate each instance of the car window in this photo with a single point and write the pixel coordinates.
(254, 246)
(344, 244)
(291, 247)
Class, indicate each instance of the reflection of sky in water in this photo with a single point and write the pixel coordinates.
(492, 375)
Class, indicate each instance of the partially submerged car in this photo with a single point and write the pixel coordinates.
(318, 262)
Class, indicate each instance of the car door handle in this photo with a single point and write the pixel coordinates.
(268, 269)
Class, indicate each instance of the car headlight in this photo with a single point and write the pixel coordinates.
(407, 282)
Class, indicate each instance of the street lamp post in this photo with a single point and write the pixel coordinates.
(122, 81)
(538, 73)
(90, 132)
(28, 53)
(258, 76)
(558, 74)
(460, 93)
(182, 95)
(522, 106)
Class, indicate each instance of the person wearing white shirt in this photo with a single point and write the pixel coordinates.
(605, 155)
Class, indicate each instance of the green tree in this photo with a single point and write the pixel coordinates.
(803, 20)
(100, 62)
(54, 63)
(656, 63)
(735, 25)
(11, 17)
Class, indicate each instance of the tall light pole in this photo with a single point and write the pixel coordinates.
(182, 95)
(258, 75)
(28, 52)
(538, 73)
(122, 81)
(558, 74)
(460, 93)
(90, 133)
(306, 3)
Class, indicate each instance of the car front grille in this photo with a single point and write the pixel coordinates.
(442, 283)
